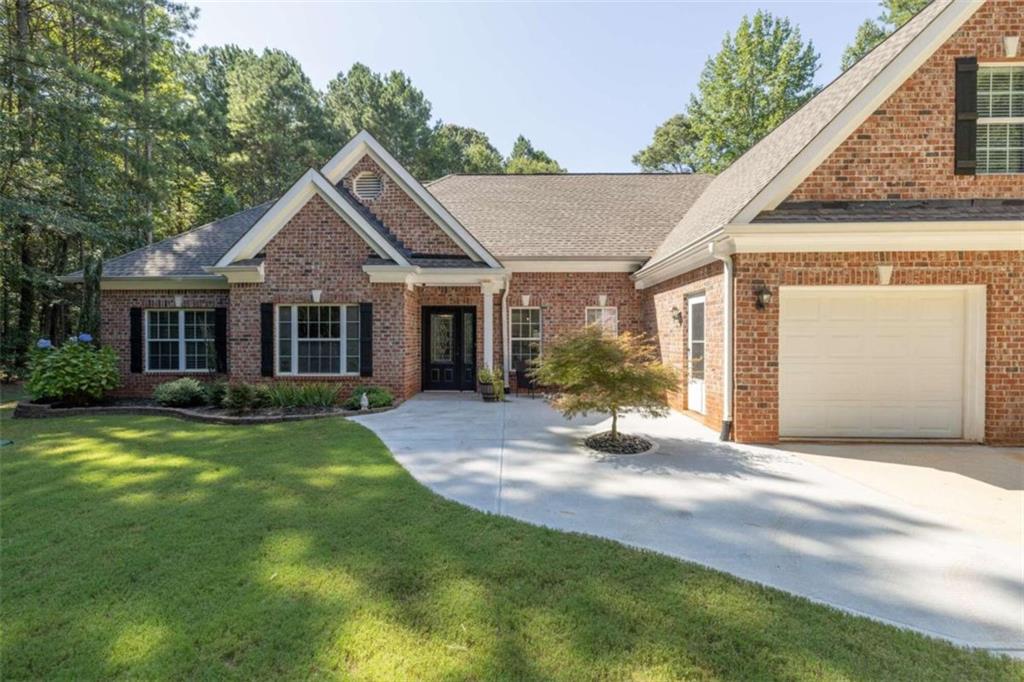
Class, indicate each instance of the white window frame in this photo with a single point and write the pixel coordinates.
(603, 309)
(343, 341)
(540, 332)
(1000, 120)
(181, 341)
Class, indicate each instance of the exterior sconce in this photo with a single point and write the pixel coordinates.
(315, 295)
(677, 316)
(526, 300)
(762, 297)
(602, 300)
(179, 300)
(1011, 45)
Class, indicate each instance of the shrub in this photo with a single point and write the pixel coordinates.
(213, 392)
(77, 373)
(184, 392)
(377, 396)
(240, 397)
(302, 395)
(597, 372)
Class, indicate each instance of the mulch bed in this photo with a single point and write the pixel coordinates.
(623, 444)
(211, 415)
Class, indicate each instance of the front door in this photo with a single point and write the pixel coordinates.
(695, 354)
(449, 349)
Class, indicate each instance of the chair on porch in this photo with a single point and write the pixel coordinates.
(523, 378)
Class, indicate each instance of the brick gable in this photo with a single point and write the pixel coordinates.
(402, 215)
(905, 149)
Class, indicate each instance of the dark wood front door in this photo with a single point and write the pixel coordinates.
(449, 349)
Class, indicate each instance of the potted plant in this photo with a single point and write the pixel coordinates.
(492, 385)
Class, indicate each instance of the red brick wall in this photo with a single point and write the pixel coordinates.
(757, 331)
(402, 214)
(116, 332)
(905, 150)
(671, 336)
(318, 250)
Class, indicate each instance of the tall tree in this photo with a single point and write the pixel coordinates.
(895, 13)
(457, 149)
(526, 160)
(276, 124)
(761, 75)
(387, 106)
(673, 150)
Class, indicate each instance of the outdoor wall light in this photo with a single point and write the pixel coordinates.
(677, 315)
(1011, 44)
(315, 295)
(762, 297)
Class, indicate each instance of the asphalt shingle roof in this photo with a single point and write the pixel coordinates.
(569, 215)
(747, 176)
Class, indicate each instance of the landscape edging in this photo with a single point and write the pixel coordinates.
(29, 410)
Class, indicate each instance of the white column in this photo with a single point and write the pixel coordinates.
(487, 290)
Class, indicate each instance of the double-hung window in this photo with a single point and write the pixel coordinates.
(318, 339)
(1000, 119)
(606, 317)
(180, 341)
(525, 336)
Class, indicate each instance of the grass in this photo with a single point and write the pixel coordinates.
(151, 548)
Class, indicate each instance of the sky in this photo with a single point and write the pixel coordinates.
(586, 82)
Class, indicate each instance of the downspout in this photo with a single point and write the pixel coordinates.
(723, 251)
(506, 344)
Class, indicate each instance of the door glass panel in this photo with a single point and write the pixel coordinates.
(442, 328)
(697, 321)
(468, 331)
(697, 360)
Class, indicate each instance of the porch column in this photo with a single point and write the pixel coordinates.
(488, 290)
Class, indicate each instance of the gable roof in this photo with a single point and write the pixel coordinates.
(364, 144)
(570, 215)
(771, 169)
(186, 254)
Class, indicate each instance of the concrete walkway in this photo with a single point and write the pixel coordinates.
(773, 515)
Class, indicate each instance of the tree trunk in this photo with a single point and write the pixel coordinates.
(26, 294)
(615, 424)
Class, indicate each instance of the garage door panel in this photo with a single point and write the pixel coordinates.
(871, 363)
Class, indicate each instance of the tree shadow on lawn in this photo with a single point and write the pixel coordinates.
(149, 547)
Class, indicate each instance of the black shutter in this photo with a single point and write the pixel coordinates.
(966, 115)
(220, 338)
(366, 339)
(267, 339)
(135, 339)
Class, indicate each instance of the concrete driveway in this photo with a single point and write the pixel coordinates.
(925, 537)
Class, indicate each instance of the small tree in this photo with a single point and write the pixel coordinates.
(597, 372)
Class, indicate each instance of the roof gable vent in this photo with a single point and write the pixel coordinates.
(368, 186)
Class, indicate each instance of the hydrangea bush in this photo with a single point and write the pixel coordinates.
(76, 373)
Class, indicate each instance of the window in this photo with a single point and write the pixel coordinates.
(525, 336)
(607, 317)
(368, 186)
(1000, 119)
(180, 341)
(318, 339)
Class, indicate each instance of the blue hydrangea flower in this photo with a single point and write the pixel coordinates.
(85, 338)
(44, 343)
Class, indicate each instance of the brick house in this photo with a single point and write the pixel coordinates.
(857, 273)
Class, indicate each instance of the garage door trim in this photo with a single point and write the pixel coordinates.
(974, 345)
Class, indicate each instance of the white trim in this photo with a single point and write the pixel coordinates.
(238, 274)
(586, 314)
(162, 283)
(909, 236)
(691, 301)
(488, 312)
(694, 255)
(363, 144)
(413, 275)
(287, 206)
(571, 265)
(975, 341)
(181, 341)
(294, 341)
(724, 254)
(870, 98)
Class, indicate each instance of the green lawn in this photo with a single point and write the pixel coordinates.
(152, 548)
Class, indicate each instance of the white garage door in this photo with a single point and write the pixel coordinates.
(878, 362)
